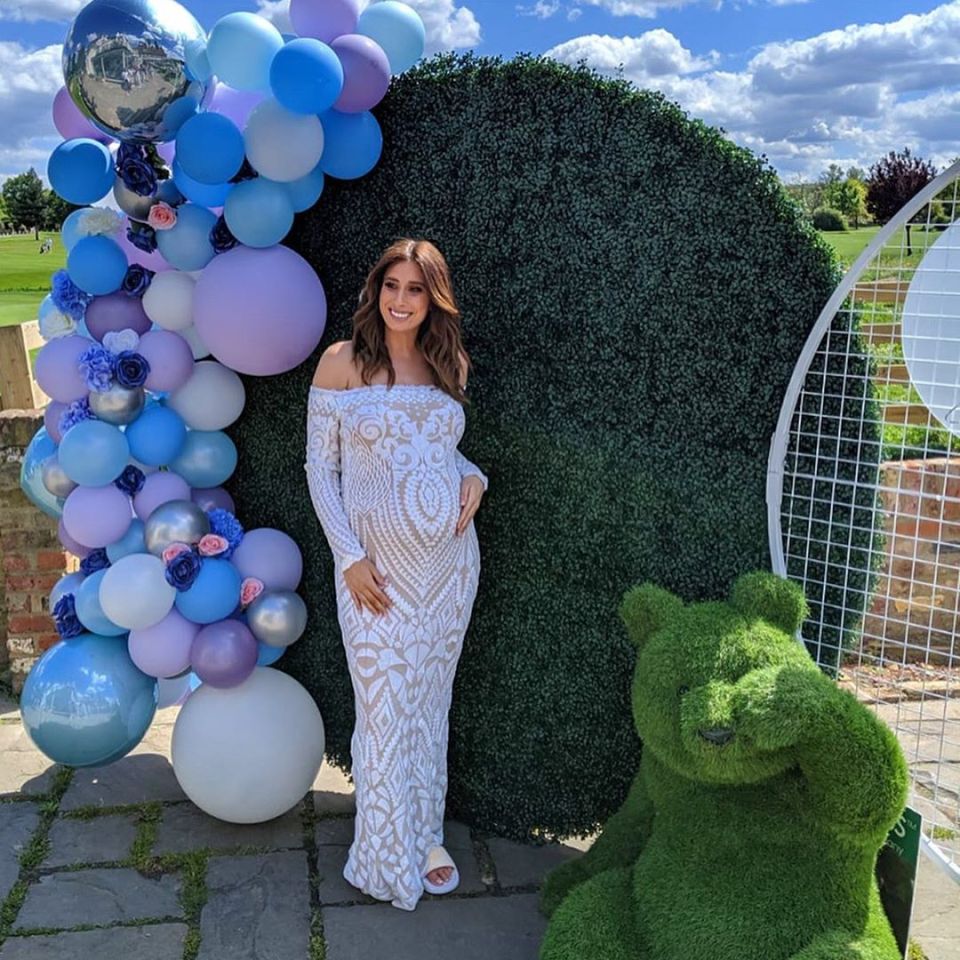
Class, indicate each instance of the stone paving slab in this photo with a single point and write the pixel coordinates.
(185, 827)
(111, 895)
(139, 777)
(162, 941)
(475, 928)
(519, 865)
(936, 912)
(333, 792)
(101, 840)
(9, 708)
(258, 908)
(17, 824)
(25, 770)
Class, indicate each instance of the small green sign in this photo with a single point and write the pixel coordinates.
(897, 874)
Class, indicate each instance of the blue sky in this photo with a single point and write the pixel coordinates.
(805, 82)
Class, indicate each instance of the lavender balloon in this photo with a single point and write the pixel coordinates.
(71, 545)
(57, 371)
(152, 261)
(224, 653)
(271, 556)
(235, 105)
(163, 650)
(170, 359)
(97, 516)
(51, 419)
(70, 122)
(333, 18)
(213, 498)
(366, 72)
(116, 311)
(160, 488)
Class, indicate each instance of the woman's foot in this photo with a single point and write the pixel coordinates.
(440, 876)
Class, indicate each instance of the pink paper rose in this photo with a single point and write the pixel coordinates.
(162, 216)
(212, 544)
(250, 589)
(173, 551)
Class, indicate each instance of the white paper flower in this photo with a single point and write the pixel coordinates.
(116, 341)
(99, 221)
(54, 324)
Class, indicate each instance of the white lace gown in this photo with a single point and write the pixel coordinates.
(384, 474)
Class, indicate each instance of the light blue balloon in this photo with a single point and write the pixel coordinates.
(306, 76)
(130, 542)
(209, 148)
(81, 171)
(214, 595)
(89, 611)
(68, 232)
(196, 59)
(187, 245)
(69, 583)
(93, 453)
(157, 436)
(207, 459)
(203, 194)
(399, 31)
(267, 655)
(31, 475)
(240, 49)
(84, 702)
(352, 143)
(306, 191)
(259, 212)
(97, 265)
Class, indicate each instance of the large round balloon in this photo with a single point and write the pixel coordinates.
(170, 359)
(207, 459)
(306, 76)
(176, 521)
(117, 405)
(93, 453)
(84, 702)
(214, 595)
(134, 593)
(366, 72)
(324, 21)
(157, 436)
(248, 753)
(88, 609)
(260, 311)
(277, 618)
(160, 487)
(125, 65)
(241, 48)
(209, 148)
(186, 246)
(71, 124)
(57, 368)
(398, 29)
(224, 653)
(38, 451)
(168, 301)
(259, 212)
(163, 650)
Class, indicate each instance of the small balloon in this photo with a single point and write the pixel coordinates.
(69, 544)
(130, 542)
(177, 521)
(352, 144)
(324, 21)
(306, 76)
(168, 301)
(113, 313)
(157, 436)
(271, 556)
(97, 516)
(282, 145)
(163, 650)
(209, 148)
(398, 29)
(277, 618)
(88, 609)
(54, 477)
(57, 368)
(224, 654)
(214, 595)
(170, 359)
(213, 498)
(207, 459)
(186, 246)
(211, 399)
(259, 212)
(81, 171)
(366, 72)
(117, 405)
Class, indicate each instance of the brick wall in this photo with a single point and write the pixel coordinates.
(31, 558)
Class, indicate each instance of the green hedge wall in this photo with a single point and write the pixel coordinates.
(636, 290)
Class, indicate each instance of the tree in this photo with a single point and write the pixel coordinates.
(857, 173)
(23, 197)
(895, 180)
(55, 210)
(850, 198)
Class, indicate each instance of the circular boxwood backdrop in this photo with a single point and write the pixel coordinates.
(635, 292)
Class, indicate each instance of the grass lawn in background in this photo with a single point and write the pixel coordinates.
(850, 244)
(25, 275)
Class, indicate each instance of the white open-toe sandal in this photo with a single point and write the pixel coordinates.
(437, 858)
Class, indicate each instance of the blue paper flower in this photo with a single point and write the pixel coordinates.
(76, 412)
(65, 617)
(135, 170)
(132, 369)
(136, 280)
(183, 570)
(95, 560)
(221, 239)
(142, 237)
(224, 523)
(67, 296)
(98, 366)
(131, 480)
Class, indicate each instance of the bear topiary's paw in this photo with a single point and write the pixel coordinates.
(596, 921)
(559, 883)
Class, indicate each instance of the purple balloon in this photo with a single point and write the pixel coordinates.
(97, 515)
(326, 20)
(71, 545)
(366, 72)
(260, 311)
(152, 261)
(51, 419)
(116, 311)
(236, 105)
(168, 151)
(70, 122)
(57, 368)
(159, 488)
(170, 359)
(163, 650)
(271, 556)
(212, 498)
(224, 653)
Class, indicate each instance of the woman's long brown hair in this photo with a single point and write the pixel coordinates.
(438, 338)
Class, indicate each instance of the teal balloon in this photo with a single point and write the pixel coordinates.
(97, 265)
(31, 474)
(207, 459)
(398, 29)
(84, 703)
(259, 212)
(93, 453)
(186, 246)
(89, 611)
(130, 542)
(214, 595)
(157, 436)
(352, 143)
(204, 194)
(306, 191)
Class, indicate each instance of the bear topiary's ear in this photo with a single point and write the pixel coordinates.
(765, 595)
(645, 609)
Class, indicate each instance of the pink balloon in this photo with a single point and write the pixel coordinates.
(366, 72)
(212, 498)
(170, 359)
(57, 369)
(326, 20)
(163, 650)
(152, 261)
(271, 556)
(236, 105)
(159, 488)
(70, 122)
(71, 545)
(51, 419)
(116, 311)
(97, 515)
(224, 653)
(260, 311)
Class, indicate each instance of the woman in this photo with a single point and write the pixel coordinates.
(396, 500)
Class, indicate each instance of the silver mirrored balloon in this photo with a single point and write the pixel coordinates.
(124, 63)
(137, 207)
(53, 477)
(117, 405)
(177, 521)
(277, 618)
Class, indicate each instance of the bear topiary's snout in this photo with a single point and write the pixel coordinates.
(717, 736)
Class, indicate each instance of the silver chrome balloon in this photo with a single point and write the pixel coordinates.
(177, 521)
(124, 63)
(117, 405)
(137, 207)
(54, 478)
(277, 618)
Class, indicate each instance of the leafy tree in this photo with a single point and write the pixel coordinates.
(850, 198)
(55, 210)
(23, 197)
(857, 173)
(893, 181)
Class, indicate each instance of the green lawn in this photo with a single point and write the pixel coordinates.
(851, 243)
(25, 275)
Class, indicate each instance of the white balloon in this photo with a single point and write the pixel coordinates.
(197, 346)
(168, 301)
(282, 145)
(134, 592)
(248, 753)
(211, 399)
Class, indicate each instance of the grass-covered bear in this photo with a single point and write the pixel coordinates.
(763, 796)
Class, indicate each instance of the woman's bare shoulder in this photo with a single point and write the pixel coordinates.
(335, 369)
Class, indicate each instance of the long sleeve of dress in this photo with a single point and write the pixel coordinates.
(323, 476)
(468, 469)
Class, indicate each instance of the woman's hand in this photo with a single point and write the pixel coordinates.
(366, 583)
(471, 493)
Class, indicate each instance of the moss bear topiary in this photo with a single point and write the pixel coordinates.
(764, 794)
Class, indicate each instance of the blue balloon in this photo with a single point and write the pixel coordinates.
(93, 453)
(267, 655)
(81, 171)
(352, 143)
(207, 459)
(68, 231)
(157, 436)
(214, 595)
(306, 191)
(69, 583)
(97, 265)
(209, 148)
(89, 611)
(130, 542)
(240, 48)
(187, 245)
(84, 703)
(306, 76)
(259, 212)
(203, 194)
(31, 476)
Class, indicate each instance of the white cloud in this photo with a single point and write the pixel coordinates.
(542, 9)
(33, 10)
(655, 53)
